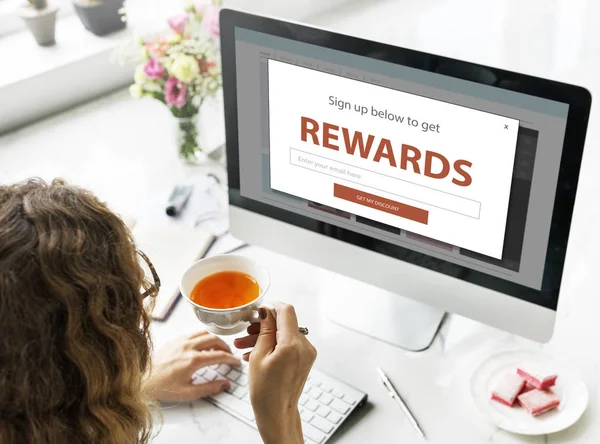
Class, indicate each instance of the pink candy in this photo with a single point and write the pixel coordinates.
(538, 401)
(539, 381)
(530, 388)
(509, 387)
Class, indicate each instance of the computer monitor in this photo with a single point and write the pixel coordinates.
(445, 182)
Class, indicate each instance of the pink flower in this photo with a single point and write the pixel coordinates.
(178, 22)
(205, 65)
(211, 21)
(154, 70)
(175, 92)
(158, 47)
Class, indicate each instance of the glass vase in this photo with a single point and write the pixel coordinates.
(187, 138)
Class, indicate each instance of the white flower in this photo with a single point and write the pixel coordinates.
(140, 76)
(185, 68)
(136, 91)
(174, 38)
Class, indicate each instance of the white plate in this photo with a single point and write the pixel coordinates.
(569, 387)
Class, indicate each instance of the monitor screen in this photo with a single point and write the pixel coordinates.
(449, 172)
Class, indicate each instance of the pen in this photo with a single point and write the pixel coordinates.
(394, 394)
(179, 198)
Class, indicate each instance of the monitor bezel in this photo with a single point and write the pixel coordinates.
(578, 99)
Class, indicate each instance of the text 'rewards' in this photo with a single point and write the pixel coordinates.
(429, 166)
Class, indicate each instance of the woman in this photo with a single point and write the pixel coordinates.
(74, 334)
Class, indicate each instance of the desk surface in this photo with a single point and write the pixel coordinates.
(124, 151)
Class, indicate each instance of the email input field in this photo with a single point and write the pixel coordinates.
(417, 194)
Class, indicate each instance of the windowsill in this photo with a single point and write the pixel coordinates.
(42, 81)
(73, 43)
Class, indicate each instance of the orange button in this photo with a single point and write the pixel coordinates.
(381, 203)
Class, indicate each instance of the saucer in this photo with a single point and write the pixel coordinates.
(569, 387)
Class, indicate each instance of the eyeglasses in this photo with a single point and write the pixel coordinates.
(151, 284)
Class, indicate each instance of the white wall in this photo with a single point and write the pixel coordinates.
(146, 15)
(290, 9)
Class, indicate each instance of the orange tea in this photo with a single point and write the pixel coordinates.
(226, 289)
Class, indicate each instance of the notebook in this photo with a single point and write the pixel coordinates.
(171, 248)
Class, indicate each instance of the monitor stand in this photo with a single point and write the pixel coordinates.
(380, 314)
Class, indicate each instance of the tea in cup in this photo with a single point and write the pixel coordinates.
(225, 292)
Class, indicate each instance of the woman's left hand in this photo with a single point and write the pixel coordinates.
(175, 363)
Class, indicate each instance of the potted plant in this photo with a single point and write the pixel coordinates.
(41, 21)
(100, 17)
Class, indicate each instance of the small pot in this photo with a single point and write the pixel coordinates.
(101, 17)
(41, 23)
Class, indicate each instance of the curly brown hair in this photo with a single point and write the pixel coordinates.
(74, 333)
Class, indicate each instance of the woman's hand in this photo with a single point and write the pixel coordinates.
(175, 363)
(279, 366)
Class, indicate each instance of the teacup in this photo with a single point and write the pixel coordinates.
(228, 321)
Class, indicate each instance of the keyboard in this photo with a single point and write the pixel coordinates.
(325, 403)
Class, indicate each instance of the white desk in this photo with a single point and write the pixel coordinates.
(123, 150)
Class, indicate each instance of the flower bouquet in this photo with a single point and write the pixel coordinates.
(182, 69)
